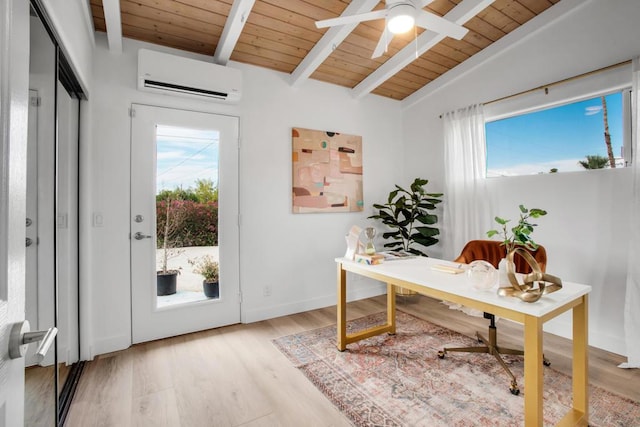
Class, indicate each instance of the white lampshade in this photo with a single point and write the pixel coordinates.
(401, 18)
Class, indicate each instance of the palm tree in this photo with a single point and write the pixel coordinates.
(607, 135)
(594, 162)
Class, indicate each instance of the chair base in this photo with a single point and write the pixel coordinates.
(491, 347)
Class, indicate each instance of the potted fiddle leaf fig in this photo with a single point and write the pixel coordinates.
(210, 270)
(409, 215)
(174, 216)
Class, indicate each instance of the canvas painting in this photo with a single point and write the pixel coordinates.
(327, 171)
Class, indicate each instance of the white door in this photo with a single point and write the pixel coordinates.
(14, 86)
(179, 153)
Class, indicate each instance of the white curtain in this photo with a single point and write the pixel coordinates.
(466, 205)
(632, 299)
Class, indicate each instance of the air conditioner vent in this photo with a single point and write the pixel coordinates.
(176, 75)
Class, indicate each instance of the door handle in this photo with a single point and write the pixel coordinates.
(140, 236)
(20, 337)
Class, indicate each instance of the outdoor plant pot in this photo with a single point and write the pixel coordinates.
(166, 283)
(211, 289)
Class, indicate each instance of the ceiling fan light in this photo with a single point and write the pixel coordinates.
(401, 18)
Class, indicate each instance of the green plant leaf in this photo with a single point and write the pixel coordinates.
(537, 213)
(427, 231)
(523, 209)
(393, 244)
(427, 219)
(492, 233)
(426, 205)
(417, 185)
(424, 241)
(417, 252)
(501, 221)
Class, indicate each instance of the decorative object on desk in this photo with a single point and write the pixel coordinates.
(369, 259)
(209, 268)
(369, 247)
(353, 242)
(396, 255)
(327, 171)
(520, 236)
(408, 214)
(482, 275)
(174, 218)
(391, 380)
(447, 268)
(528, 291)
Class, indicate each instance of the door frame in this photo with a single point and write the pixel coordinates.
(198, 315)
(14, 108)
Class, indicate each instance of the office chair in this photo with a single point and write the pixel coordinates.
(493, 251)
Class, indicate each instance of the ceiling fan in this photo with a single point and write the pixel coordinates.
(400, 16)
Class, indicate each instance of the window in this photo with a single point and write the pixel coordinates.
(562, 129)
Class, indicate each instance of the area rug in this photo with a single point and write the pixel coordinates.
(400, 381)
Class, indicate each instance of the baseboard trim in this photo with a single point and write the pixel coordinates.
(265, 313)
(111, 344)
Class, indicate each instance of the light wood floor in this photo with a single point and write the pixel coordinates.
(235, 376)
(39, 394)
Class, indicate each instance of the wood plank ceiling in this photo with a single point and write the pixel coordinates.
(279, 34)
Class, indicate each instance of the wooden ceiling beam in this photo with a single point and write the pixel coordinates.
(460, 14)
(232, 29)
(113, 23)
(329, 41)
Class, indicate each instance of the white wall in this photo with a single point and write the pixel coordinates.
(293, 254)
(589, 212)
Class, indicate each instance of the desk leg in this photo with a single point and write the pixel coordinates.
(533, 371)
(341, 325)
(391, 308)
(580, 359)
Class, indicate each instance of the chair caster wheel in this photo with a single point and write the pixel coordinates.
(546, 363)
(441, 355)
(513, 388)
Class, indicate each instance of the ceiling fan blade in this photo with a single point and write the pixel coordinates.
(384, 41)
(352, 19)
(440, 25)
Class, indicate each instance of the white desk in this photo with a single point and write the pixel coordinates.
(416, 274)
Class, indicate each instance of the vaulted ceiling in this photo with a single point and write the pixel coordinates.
(281, 35)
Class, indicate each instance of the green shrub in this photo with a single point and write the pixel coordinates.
(199, 224)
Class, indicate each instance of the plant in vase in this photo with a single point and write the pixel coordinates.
(520, 236)
(210, 270)
(174, 216)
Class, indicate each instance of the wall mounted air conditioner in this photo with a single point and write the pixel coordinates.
(170, 74)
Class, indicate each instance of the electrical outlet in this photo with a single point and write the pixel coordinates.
(266, 291)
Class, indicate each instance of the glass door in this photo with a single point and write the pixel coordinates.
(184, 222)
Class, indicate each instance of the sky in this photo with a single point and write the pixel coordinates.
(185, 155)
(553, 138)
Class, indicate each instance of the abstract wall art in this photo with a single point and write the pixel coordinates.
(327, 171)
